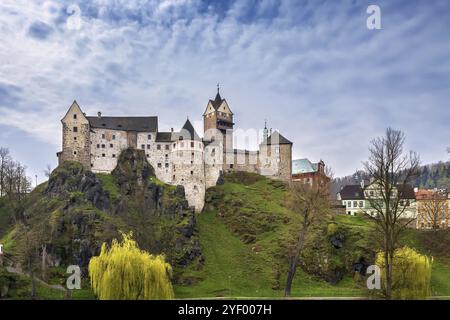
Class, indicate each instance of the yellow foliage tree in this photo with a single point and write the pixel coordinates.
(125, 272)
(411, 273)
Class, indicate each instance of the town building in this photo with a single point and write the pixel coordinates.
(433, 209)
(306, 172)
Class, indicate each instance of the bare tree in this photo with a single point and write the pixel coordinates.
(48, 171)
(434, 208)
(390, 170)
(312, 204)
(5, 159)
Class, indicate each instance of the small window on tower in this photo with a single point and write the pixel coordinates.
(111, 145)
(149, 137)
(114, 137)
(75, 152)
(148, 146)
(75, 129)
(75, 138)
(113, 155)
(74, 116)
(103, 136)
(158, 147)
(192, 144)
(167, 147)
(159, 165)
(166, 165)
(98, 146)
(103, 146)
(192, 172)
(142, 146)
(103, 155)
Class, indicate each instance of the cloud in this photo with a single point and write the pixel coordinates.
(40, 30)
(310, 67)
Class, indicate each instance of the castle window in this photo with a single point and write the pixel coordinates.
(103, 146)
(103, 155)
(113, 155)
(103, 124)
(174, 145)
(192, 144)
(92, 165)
(159, 165)
(149, 137)
(142, 146)
(158, 147)
(75, 116)
(75, 138)
(231, 166)
(75, 129)
(167, 165)
(192, 172)
(173, 177)
(148, 146)
(75, 152)
(148, 156)
(114, 137)
(167, 147)
(167, 156)
(98, 146)
(111, 145)
(103, 136)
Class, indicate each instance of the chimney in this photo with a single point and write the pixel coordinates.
(99, 114)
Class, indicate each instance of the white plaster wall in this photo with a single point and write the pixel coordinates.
(106, 163)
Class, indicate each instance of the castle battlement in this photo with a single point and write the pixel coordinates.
(178, 157)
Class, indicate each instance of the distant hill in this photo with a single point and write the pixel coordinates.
(436, 175)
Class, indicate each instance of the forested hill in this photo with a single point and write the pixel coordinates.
(436, 175)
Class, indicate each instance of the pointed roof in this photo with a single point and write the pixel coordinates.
(188, 131)
(303, 166)
(216, 103)
(276, 139)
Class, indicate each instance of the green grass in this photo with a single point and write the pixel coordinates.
(109, 184)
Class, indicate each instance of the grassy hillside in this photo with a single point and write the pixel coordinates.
(242, 231)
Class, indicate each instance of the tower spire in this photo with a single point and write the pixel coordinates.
(265, 131)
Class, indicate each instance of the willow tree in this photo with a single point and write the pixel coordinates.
(125, 272)
(411, 274)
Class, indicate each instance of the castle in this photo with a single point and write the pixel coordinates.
(178, 157)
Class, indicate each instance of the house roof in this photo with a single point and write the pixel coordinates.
(352, 192)
(187, 132)
(406, 191)
(276, 138)
(164, 137)
(140, 124)
(303, 166)
(217, 101)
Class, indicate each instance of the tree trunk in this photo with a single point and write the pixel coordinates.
(44, 262)
(293, 263)
(388, 270)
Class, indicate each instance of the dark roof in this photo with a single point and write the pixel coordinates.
(188, 131)
(164, 137)
(406, 191)
(275, 139)
(352, 192)
(217, 101)
(141, 124)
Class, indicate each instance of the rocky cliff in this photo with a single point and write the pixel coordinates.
(72, 214)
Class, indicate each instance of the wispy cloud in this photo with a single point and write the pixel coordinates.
(310, 67)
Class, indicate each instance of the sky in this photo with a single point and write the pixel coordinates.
(311, 68)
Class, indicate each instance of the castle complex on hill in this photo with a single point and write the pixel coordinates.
(179, 158)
